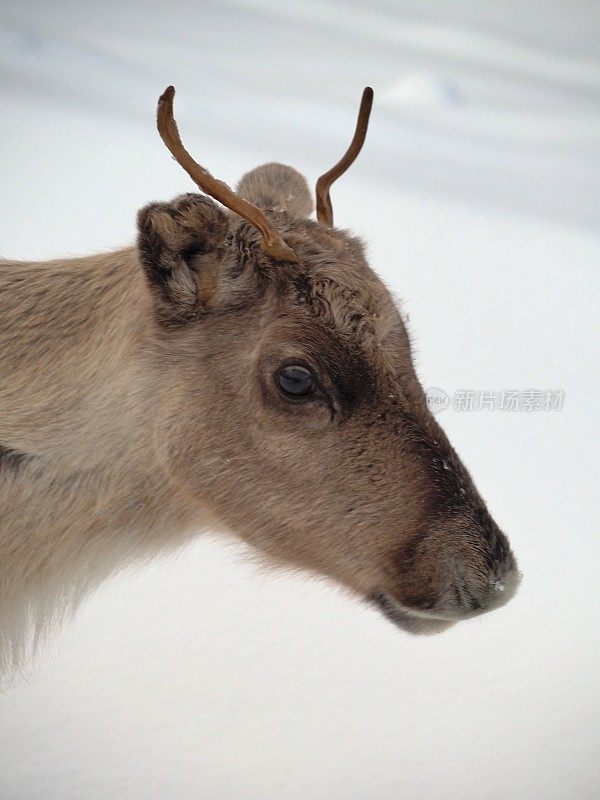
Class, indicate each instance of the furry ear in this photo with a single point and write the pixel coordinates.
(181, 246)
(276, 187)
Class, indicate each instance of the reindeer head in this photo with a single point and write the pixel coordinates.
(289, 404)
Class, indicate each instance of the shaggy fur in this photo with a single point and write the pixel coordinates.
(138, 405)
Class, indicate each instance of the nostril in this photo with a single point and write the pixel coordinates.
(476, 594)
(466, 596)
(469, 590)
(455, 570)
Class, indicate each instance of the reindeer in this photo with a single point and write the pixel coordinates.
(241, 368)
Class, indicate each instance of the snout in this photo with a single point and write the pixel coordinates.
(460, 568)
(474, 596)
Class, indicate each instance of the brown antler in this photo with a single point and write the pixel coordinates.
(273, 244)
(324, 208)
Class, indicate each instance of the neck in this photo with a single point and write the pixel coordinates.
(82, 490)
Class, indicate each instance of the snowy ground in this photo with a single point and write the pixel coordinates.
(477, 192)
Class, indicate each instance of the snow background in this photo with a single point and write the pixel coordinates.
(201, 676)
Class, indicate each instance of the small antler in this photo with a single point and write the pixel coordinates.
(273, 244)
(324, 208)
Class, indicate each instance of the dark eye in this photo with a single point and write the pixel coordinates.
(295, 380)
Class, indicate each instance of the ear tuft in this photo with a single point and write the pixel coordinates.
(180, 245)
(276, 187)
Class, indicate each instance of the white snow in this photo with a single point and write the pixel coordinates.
(478, 196)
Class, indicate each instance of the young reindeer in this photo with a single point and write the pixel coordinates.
(242, 370)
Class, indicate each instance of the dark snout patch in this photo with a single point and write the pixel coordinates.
(11, 460)
(496, 549)
(459, 563)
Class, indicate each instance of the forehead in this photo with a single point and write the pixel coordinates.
(333, 307)
(334, 284)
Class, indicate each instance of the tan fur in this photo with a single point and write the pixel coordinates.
(277, 187)
(138, 406)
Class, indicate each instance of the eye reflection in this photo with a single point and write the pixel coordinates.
(296, 381)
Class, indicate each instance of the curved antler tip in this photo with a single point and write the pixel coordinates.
(324, 209)
(167, 95)
(167, 129)
(367, 99)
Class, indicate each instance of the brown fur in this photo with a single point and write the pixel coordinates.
(138, 405)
